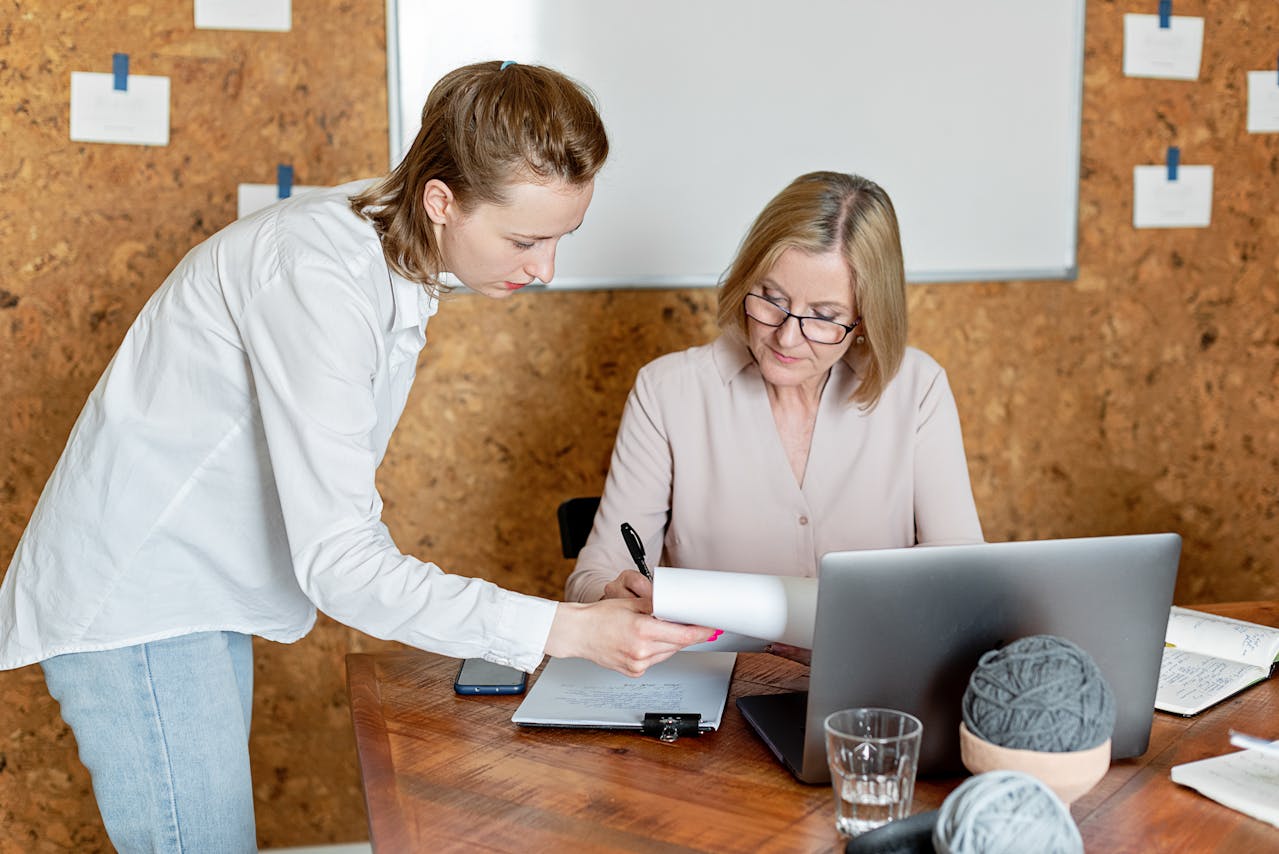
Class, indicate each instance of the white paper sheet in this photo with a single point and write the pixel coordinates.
(250, 198)
(778, 608)
(273, 15)
(1263, 101)
(575, 692)
(102, 113)
(1160, 203)
(1247, 781)
(1173, 53)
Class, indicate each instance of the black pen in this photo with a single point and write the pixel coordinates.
(636, 547)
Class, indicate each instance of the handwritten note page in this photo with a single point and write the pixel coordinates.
(1172, 52)
(1247, 781)
(251, 198)
(1189, 681)
(137, 115)
(1161, 203)
(1263, 101)
(575, 692)
(274, 15)
(1223, 637)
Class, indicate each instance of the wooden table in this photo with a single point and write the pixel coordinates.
(443, 772)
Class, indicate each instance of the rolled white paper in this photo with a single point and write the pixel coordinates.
(775, 608)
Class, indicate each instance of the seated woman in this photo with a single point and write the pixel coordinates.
(807, 427)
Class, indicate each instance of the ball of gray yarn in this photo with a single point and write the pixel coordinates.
(1005, 812)
(1039, 693)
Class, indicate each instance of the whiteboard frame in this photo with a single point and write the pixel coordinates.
(397, 123)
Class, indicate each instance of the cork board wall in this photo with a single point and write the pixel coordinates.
(1144, 396)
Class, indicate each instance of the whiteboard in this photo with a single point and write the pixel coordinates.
(967, 113)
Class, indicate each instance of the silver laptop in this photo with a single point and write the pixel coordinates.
(904, 628)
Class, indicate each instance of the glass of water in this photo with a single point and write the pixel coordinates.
(872, 755)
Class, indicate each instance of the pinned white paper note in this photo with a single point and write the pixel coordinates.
(138, 115)
(1173, 52)
(274, 15)
(1183, 203)
(1263, 101)
(253, 197)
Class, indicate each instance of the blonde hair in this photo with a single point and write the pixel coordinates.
(830, 211)
(483, 127)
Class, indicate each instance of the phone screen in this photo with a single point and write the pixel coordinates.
(477, 676)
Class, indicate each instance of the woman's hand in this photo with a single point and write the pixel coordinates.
(629, 585)
(620, 634)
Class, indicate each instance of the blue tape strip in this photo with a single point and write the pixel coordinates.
(120, 68)
(1165, 14)
(283, 181)
(1174, 157)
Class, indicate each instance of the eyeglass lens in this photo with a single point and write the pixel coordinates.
(816, 329)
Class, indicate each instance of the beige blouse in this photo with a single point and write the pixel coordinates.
(699, 470)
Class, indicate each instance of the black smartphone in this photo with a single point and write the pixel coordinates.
(477, 676)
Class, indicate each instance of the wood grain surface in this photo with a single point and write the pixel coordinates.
(443, 772)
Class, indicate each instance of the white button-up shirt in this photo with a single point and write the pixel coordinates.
(221, 475)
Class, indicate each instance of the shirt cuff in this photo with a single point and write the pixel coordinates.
(524, 624)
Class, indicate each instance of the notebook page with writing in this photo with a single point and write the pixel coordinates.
(1247, 781)
(1222, 637)
(1209, 658)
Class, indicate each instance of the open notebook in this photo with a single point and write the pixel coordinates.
(573, 692)
(1209, 658)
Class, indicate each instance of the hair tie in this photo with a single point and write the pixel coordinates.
(507, 64)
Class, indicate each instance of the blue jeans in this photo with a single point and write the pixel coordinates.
(163, 728)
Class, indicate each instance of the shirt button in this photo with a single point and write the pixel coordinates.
(803, 520)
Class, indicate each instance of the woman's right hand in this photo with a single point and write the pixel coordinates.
(629, 585)
(620, 634)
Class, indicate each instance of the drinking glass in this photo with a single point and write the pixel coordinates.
(872, 755)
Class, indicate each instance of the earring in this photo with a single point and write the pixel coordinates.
(859, 340)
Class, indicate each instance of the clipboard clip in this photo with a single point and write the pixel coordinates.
(669, 726)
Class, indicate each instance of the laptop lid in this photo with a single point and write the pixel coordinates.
(904, 628)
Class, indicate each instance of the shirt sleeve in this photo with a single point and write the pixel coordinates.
(945, 512)
(314, 349)
(637, 490)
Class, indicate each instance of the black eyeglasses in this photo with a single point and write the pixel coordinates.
(819, 330)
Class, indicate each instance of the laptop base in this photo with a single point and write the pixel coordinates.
(779, 720)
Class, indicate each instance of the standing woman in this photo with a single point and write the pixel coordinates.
(219, 483)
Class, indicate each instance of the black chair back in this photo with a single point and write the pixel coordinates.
(576, 515)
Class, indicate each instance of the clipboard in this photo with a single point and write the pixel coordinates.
(684, 695)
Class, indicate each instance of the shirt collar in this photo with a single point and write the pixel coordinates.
(731, 356)
(413, 305)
